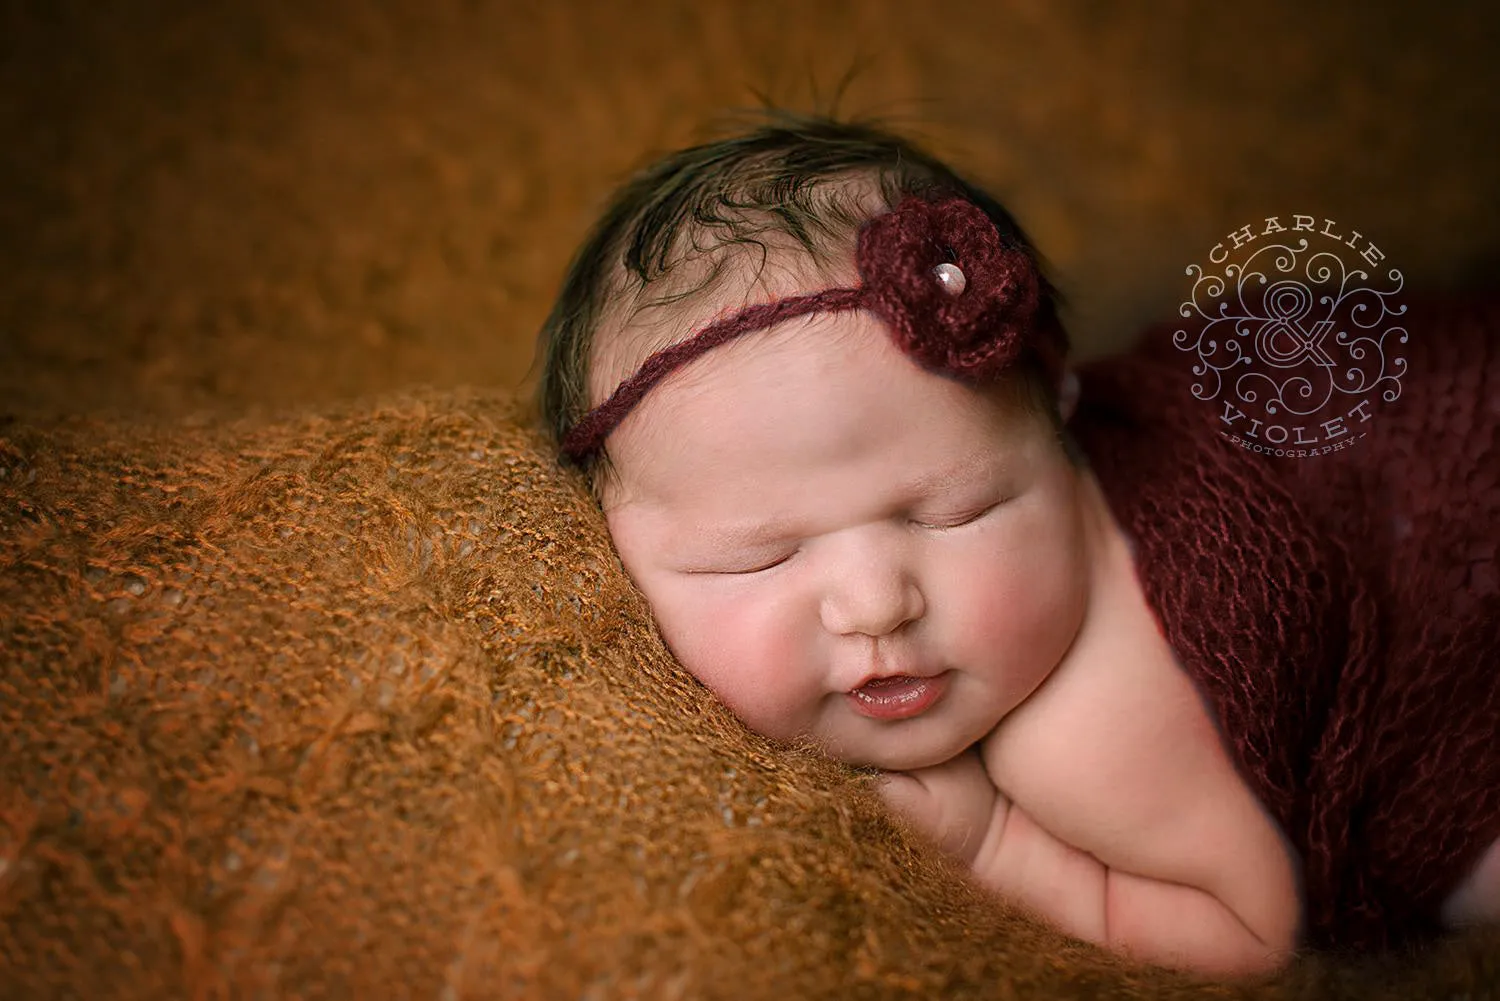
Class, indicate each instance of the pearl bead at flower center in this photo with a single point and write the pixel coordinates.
(950, 278)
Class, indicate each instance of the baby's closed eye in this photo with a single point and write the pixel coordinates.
(732, 567)
(959, 518)
(758, 561)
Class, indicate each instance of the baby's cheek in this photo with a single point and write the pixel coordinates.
(1020, 610)
(749, 651)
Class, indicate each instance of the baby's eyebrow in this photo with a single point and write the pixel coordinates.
(970, 471)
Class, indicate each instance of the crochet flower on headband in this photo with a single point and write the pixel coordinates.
(956, 299)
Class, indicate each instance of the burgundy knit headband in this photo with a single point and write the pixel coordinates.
(957, 301)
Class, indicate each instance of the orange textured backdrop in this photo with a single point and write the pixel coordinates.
(259, 205)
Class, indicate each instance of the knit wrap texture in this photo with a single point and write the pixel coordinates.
(358, 703)
(1340, 612)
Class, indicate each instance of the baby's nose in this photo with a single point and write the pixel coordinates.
(872, 598)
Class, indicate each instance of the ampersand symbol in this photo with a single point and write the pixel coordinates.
(1283, 341)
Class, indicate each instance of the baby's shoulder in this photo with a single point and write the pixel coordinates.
(1118, 738)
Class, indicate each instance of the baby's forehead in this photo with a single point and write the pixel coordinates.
(639, 322)
(814, 394)
(742, 256)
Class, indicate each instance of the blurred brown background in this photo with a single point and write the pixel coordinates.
(250, 204)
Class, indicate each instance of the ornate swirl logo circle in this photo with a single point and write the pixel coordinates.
(1296, 335)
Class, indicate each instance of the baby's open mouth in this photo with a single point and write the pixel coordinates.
(899, 696)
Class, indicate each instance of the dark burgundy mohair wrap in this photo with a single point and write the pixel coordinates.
(957, 300)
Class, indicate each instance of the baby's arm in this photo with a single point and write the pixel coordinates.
(1152, 920)
(958, 806)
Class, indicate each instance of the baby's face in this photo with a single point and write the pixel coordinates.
(843, 546)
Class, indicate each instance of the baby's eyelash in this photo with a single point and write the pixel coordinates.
(765, 566)
(967, 519)
(748, 570)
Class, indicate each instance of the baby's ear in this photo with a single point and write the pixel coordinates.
(1067, 393)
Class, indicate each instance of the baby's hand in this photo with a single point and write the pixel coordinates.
(954, 803)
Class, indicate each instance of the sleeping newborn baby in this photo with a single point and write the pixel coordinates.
(818, 384)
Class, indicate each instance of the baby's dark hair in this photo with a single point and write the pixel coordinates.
(780, 181)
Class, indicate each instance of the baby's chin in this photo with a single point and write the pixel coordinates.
(900, 752)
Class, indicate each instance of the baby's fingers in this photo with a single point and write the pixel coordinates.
(910, 799)
(952, 816)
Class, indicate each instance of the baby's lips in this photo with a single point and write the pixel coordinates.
(897, 696)
(894, 679)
